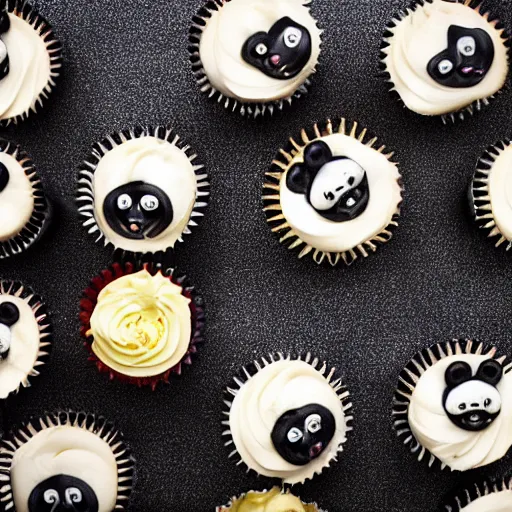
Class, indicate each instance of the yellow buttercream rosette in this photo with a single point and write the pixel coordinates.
(141, 325)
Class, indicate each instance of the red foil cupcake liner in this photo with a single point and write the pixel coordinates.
(89, 301)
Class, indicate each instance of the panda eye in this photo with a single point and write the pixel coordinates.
(73, 495)
(261, 49)
(466, 46)
(445, 66)
(462, 407)
(314, 423)
(51, 496)
(292, 37)
(124, 201)
(149, 203)
(294, 435)
(487, 402)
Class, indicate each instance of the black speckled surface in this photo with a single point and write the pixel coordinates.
(127, 63)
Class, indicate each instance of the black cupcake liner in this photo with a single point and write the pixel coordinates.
(97, 425)
(28, 13)
(475, 106)
(410, 376)
(271, 194)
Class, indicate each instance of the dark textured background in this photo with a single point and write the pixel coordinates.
(126, 62)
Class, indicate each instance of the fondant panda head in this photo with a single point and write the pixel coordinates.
(473, 402)
(335, 186)
(5, 24)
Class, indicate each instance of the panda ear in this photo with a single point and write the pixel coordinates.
(457, 373)
(490, 371)
(316, 154)
(298, 178)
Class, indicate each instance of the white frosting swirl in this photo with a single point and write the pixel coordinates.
(65, 450)
(459, 449)
(225, 34)
(277, 388)
(494, 502)
(422, 35)
(16, 199)
(154, 161)
(500, 192)
(24, 350)
(29, 69)
(141, 325)
(330, 236)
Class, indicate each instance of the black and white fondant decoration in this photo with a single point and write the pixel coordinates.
(453, 404)
(335, 186)
(288, 418)
(472, 402)
(65, 462)
(25, 336)
(141, 190)
(5, 24)
(281, 53)
(24, 210)
(466, 60)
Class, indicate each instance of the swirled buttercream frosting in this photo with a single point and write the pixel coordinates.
(289, 419)
(141, 325)
(443, 57)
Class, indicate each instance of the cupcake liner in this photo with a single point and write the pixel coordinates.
(233, 505)
(29, 14)
(271, 199)
(40, 312)
(246, 109)
(479, 195)
(97, 425)
(89, 301)
(475, 106)
(85, 192)
(258, 365)
(41, 215)
(463, 498)
(410, 376)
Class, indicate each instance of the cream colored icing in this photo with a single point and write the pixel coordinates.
(65, 450)
(225, 34)
(269, 501)
(24, 348)
(141, 325)
(459, 449)
(330, 236)
(500, 192)
(16, 199)
(29, 69)
(422, 35)
(153, 161)
(275, 389)
(494, 502)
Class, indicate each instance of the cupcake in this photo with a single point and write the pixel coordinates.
(334, 193)
(141, 191)
(141, 325)
(254, 56)
(287, 418)
(274, 500)
(65, 461)
(445, 58)
(486, 496)
(24, 210)
(30, 61)
(25, 337)
(490, 193)
(453, 404)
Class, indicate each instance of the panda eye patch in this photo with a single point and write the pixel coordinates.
(487, 402)
(462, 407)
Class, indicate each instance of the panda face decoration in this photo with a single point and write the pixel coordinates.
(301, 435)
(473, 402)
(9, 315)
(280, 53)
(63, 493)
(5, 25)
(138, 210)
(467, 59)
(336, 187)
